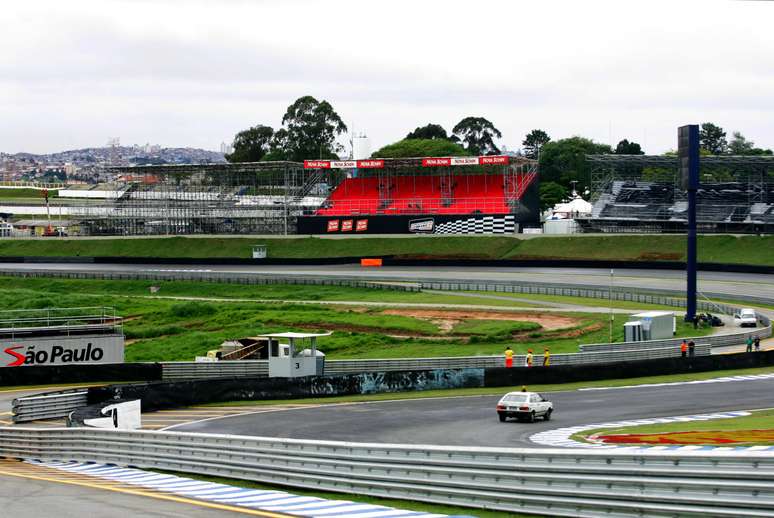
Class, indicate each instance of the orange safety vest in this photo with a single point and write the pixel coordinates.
(683, 347)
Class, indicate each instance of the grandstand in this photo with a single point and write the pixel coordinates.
(475, 194)
(244, 198)
(638, 193)
(452, 195)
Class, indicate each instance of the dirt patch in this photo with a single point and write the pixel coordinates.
(446, 320)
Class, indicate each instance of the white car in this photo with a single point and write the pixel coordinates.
(524, 406)
(746, 317)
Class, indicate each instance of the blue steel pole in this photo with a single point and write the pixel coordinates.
(688, 151)
(691, 263)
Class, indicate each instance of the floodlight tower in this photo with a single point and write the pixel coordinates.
(688, 153)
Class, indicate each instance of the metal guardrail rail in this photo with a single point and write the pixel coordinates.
(62, 320)
(222, 277)
(557, 482)
(48, 406)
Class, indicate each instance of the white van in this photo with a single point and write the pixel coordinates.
(746, 318)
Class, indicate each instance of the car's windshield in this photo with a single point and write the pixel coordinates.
(516, 398)
(748, 313)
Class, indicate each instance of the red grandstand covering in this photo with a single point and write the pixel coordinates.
(398, 187)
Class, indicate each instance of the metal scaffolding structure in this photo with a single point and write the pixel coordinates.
(642, 193)
(262, 197)
(243, 198)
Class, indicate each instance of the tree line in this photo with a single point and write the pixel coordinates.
(310, 128)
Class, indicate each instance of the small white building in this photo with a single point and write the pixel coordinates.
(653, 325)
(293, 355)
(571, 209)
(561, 218)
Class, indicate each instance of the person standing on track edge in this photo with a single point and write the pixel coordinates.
(546, 357)
(757, 343)
(691, 348)
(749, 343)
(508, 357)
(529, 358)
(684, 348)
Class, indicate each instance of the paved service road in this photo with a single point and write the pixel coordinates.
(759, 285)
(472, 421)
(30, 498)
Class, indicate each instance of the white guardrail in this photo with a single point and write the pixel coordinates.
(556, 482)
(48, 406)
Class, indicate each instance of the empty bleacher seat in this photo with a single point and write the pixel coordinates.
(418, 194)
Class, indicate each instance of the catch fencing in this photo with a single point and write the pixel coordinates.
(557, 482)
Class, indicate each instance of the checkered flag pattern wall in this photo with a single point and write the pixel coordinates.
(484, 225)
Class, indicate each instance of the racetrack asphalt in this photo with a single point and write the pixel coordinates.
(472, 421)
(32, 498)
(727, 283)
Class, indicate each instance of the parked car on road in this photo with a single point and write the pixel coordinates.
(525, 406)
(746, 318)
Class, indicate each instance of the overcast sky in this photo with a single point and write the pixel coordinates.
(192, 73)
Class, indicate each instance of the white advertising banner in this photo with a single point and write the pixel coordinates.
(61, 350)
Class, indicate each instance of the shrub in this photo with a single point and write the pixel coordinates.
(192, 309)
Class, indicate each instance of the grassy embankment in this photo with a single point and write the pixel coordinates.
(758, 420)
(168, 329)
(753, 250)
(24, 193)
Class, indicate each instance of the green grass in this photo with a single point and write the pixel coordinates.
(712, 248)
(408, 505)
(35, 194)
(168, 329)
(758, 420)
(161, 329)
(495, 391)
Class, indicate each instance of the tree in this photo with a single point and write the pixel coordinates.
(430, 131)
(312, 127)
(278, 147)
(739, 145)
(551, 193)
(533, 142)
(564, 160)
(628, 148)
(712, 138)
(408, 148)
(477, 133)
(251, 144)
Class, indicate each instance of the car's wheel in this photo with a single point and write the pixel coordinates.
(502, 417)
(547, 416)
(531, 417)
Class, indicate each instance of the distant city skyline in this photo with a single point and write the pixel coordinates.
(186, 73)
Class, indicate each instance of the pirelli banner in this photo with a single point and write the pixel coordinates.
(62, 350)
(426, 162)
